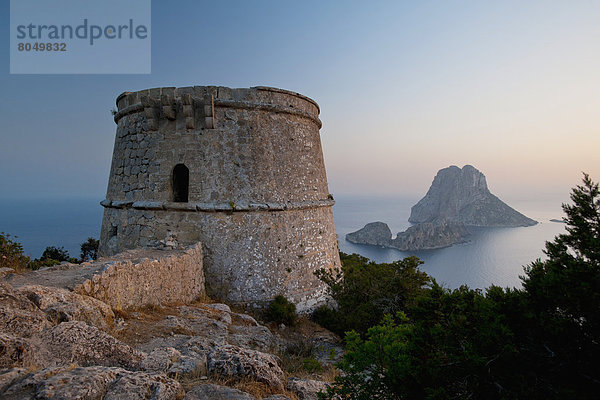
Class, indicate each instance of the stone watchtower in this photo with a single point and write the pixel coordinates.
(240, 170)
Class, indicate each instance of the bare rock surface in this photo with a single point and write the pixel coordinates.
(141, 385)
(170, 361)
(234, 361)
(18, 315)
(82, 344)
(108, 383)
(15, 351)
(306, 389)
(62, 305)
(197, 354)
(252, 337)
(10, 376)
(161, 359)
(217, 392)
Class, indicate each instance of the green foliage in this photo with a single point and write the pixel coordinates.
(541, 342)
(295, 353)
(11, 253)
(55, 253)
(89, 249)
(311, 365)
(365, 291)
(51, 256)
(374, 367)
(282, 311)
(567, 284)
(564, 291)
(39, 263)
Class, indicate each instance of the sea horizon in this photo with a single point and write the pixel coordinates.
(492, 256)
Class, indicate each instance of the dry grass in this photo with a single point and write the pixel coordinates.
(119, 313)
(143, 324)
(298, 357)
(194, 378)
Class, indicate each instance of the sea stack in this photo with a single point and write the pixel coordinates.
(462, 195)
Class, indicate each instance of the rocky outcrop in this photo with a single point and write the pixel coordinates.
(462, 196)
(56, 343)
(108, 383)
(62, 305)
(374, 233)
(14, 351)
(82, 344)
(306, 389)
(18, 315)
(217, 392)
(430, 235)
(234, 361)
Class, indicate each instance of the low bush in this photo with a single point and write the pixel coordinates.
(282, 311)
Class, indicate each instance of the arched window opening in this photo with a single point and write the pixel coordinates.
(180, 184)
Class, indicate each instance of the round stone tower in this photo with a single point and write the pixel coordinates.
(240, 170)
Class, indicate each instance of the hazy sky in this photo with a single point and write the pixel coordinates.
(405, 88)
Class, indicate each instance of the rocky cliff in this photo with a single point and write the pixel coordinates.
(462, 196)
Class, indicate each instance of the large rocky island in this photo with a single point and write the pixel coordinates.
(457, 198)
(462, 195)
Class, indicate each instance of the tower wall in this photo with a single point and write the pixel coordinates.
(257, 197)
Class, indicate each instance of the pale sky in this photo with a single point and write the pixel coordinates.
(405, 89)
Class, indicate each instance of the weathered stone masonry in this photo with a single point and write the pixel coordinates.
(240, 170)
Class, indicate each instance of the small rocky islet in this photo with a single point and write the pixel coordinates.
(458, 198)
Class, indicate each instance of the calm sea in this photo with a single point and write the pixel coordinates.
(51, 222)
(493, 256)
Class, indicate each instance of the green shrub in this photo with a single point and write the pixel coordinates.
(365, 291)
(282, 311)
(52, 255)
(55, 253)
(312, 365)
(11, 253)
(39, 263)
(89, 249)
